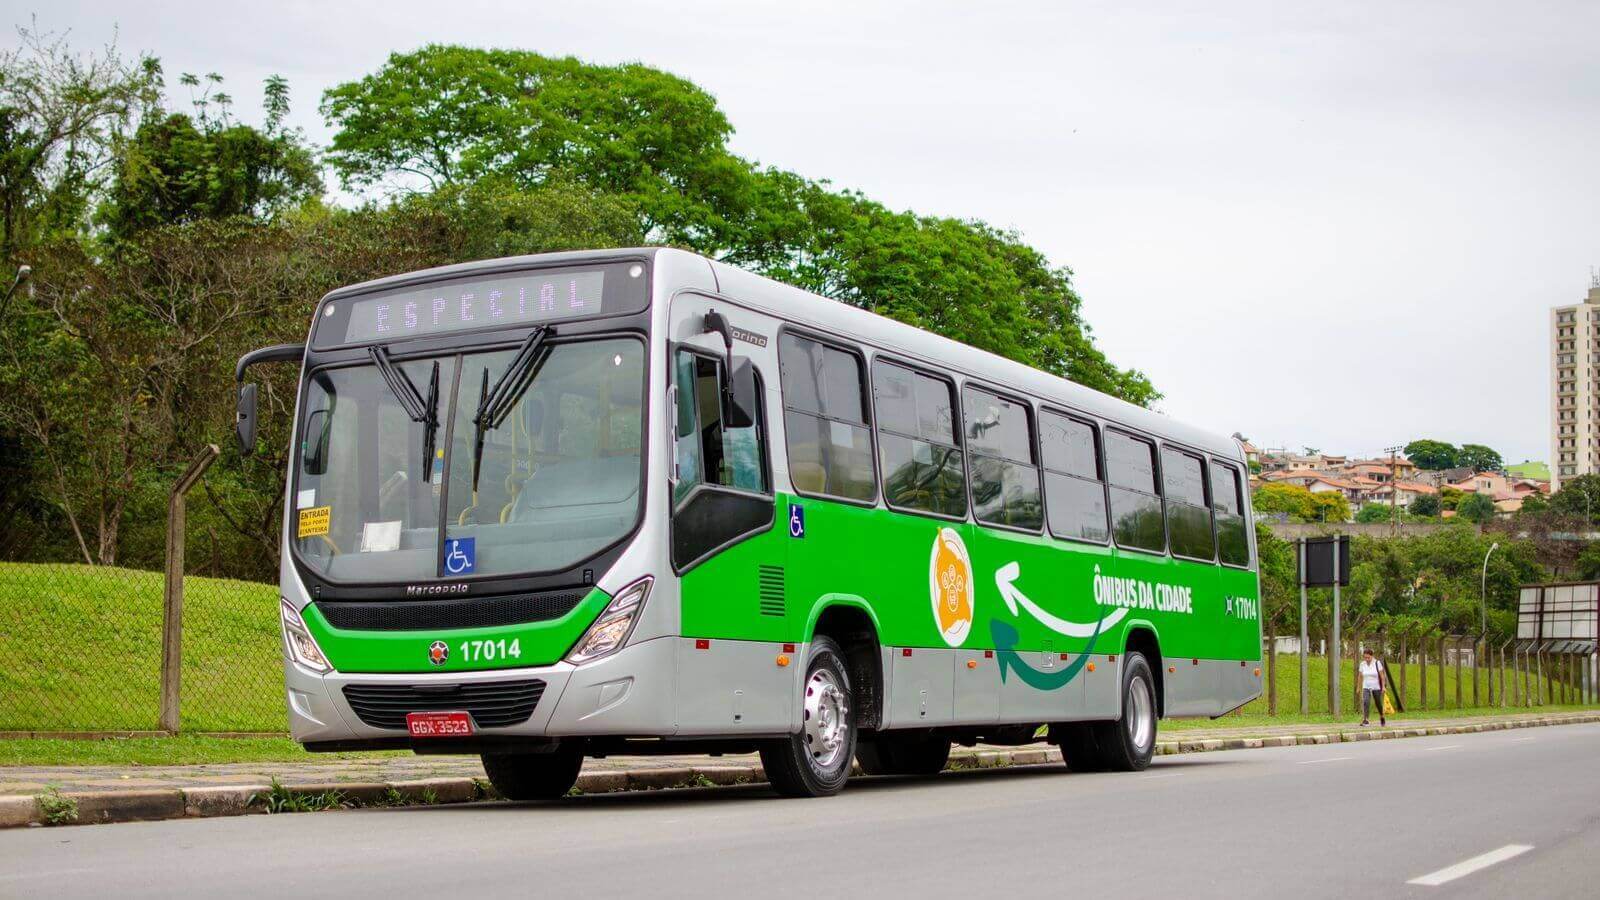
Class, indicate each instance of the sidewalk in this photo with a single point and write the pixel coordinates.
(113, 793)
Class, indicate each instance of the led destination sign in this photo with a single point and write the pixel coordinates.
(463, 305)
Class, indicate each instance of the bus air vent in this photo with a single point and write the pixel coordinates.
(493, 704)
(770, 580)
(462, 612)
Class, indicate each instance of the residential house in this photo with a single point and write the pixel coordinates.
(1406, 491)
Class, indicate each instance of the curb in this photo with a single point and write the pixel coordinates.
(98, 807)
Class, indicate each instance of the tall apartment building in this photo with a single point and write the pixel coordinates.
(1575, 388)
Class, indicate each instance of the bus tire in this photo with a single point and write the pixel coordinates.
(816, 761)
(1127, 744)
(1079, 749)
(535, 776)
(903, 753)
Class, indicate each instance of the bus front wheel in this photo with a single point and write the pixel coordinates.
(816, 761)
(535, 776)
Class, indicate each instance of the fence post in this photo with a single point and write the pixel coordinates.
(172, 593)
(1405, 663)
(1457, 642)
(1272, 670)
(1422, 671)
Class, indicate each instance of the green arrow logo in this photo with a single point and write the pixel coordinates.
(1005, 639)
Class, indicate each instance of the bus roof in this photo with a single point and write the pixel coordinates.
(680, 269)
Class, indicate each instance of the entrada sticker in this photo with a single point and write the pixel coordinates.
(314, 521)
(950, 586)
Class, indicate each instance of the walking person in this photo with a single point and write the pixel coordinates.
(1371, 686)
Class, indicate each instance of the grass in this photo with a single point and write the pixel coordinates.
(82, 651)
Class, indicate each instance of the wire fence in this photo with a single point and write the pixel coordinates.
(80, 651)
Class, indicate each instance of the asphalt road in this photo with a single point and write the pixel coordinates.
(1342, 820)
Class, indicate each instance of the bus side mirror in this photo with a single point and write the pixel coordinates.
(740, 394)
(244, 424)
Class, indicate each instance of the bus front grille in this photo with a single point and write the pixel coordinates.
(493, 704)
(460, 612)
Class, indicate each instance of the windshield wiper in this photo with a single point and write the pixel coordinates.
(422, 410)
(495, 404)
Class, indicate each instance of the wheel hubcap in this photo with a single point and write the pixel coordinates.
(827, 720)
(1138, 714)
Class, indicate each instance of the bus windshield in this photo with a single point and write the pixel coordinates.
(558, 479)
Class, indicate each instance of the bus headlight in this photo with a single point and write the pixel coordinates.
(298, 643)
(611, 630)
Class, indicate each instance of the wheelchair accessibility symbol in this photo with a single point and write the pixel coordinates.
(797, 520)
(460, 556)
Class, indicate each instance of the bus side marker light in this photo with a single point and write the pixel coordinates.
(1091, 667)
(988, 654)
(1258, 673)
(1063, 657)
(1197, 662)
(702, 644)
(906, 651)
(972, 664)
(788, 648)
(1171, 669)
(782, 660)
(1111, 657)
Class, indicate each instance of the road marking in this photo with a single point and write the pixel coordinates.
(1166, 775)
(1522, 740)
(1312, 762)
(1468, 866)
(1445, 747)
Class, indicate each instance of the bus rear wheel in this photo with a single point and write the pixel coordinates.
(535, 776)
(903, 753)
(816, 761)
(1128, 744)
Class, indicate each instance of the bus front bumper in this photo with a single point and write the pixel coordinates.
(627, 693)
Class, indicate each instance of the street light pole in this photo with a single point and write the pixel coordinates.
(1483, 592)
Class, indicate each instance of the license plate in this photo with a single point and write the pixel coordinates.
(438, 724)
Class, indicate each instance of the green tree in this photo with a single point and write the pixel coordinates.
(60, 114)
(1475, 508)
(1372, 513)
(1329, 506)
(1424, 505)
(1433, 455)
(446, 115)
(179, 167)
(1589, 562)
(1291, 500)
(1579, 496)
(1479, 458)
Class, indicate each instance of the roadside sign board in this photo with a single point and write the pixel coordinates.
(1559, 612)
(1319, 567)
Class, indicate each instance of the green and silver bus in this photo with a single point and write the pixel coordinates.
(642, 502)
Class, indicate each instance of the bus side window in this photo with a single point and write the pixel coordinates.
(917, 449)
(825, 420)
(707, 452)
(1183, 477)
(1135, 506)
(1233, 543)
(1074, 493)
(1005, 480)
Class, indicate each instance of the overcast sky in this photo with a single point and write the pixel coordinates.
(1328, 224)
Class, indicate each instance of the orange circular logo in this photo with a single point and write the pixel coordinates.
(950, 586)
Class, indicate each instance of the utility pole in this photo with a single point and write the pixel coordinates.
(1394, 491)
